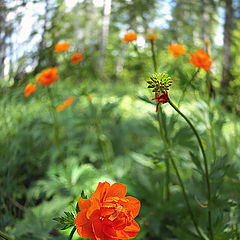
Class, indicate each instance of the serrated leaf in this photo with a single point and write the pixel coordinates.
(65, 222)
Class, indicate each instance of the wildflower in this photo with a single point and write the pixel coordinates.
(61, 47)
(201, 59)
(29, 89)
(68, 102)
(201, 205)
(160, 82)
(151, 37)
(60, 108)
(76, 57)
(129, 37)
(48, 76)
(176, 49)
(108, 214)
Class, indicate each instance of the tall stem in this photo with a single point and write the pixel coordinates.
(153, 56)
(162, 129)
(205, 165)
(4, 236)
(71, 234)
(179, 177)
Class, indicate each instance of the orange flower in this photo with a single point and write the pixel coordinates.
(76, 57)
(68, 102)
(201, 60)
(164, 98)
(151, 37)
(29, 89)
(108, 214)
(48, 76)
(61, 47)
(176, 49)
(60, 108)
(129, 37)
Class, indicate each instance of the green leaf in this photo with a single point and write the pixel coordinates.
(65, 222)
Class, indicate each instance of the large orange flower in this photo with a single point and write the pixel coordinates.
(129, 37)
(108, 214)
(29, 89)
(176, 49)
(76, 57)
(201, 59)
(48, 76)
(61, 47)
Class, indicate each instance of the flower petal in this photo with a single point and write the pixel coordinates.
(117, 190)
(83, 204)
(81, 218)
(133, 205)
(101, 191)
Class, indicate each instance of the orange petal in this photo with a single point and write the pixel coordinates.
(132, 230)
(117, 190)
(93, 211)
(81, 219)
(85, 231)
(133, 205)
(101, 191)
(84, 204)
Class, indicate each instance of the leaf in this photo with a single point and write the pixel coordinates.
(145, 99)
(65, 222)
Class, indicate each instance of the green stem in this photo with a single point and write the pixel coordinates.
(178, 176)
(189, 83)
(205, 165)
(153, 56)
(71, 234)
(4, 236)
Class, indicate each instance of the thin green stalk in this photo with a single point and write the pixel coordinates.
(71, 234)
(189, 83)
(4, 236)
(205, 165)
(162, 129)
(179, 178)
(153, 56)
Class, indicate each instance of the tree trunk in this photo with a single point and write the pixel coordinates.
(3, 12)
(227, 57)
(105, 29)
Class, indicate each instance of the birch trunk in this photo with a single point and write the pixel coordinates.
(105, 29)
(227, 57)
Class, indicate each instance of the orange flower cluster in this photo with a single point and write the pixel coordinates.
(130, 37)
(176, 50)
(61, 47)
(29, 89)
(151, 37)
(201, 59)
(108, 214)
(48, 76)
(65, 104)
(76, 57)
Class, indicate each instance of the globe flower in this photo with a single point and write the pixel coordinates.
(160, 82)
(60, 108)
(48, 76)
(61, 47)
(29, 89)
(129, 37)
(68, 102)
(65, 104)
(176, 50)
(108, 214)
(201, 59)
(151, 37)
(76, 57)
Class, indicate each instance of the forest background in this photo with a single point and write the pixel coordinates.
(111, 130)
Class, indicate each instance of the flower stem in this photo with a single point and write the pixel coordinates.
(153, 56)
(187, 85)
(4, 236)
(178, 176)
(205, 165)
(71, 234)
